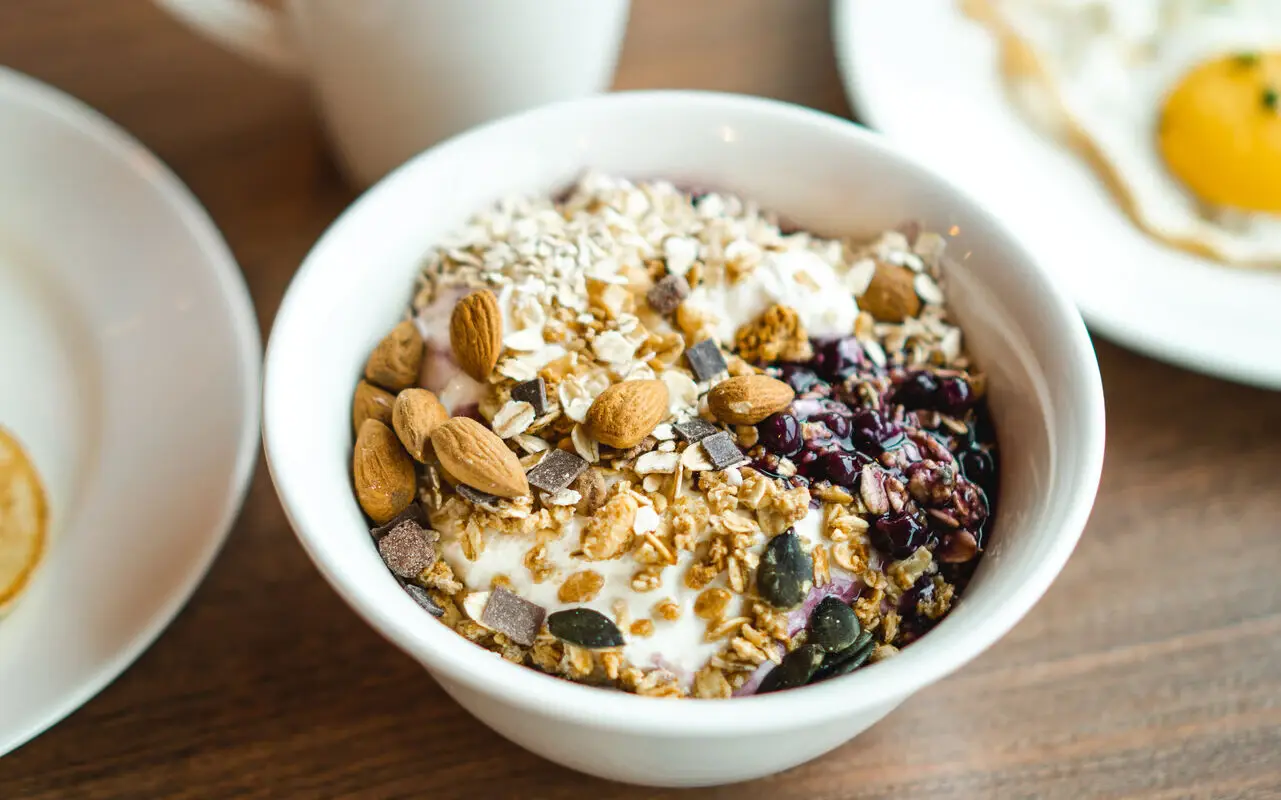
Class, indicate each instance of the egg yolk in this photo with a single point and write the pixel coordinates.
(1220, 132)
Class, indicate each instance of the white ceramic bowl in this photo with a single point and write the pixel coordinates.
(825, 174)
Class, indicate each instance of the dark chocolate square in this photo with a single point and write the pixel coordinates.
(695, 430)
(533, 392)
(556, 471)
(705, 360)
(414, 516)
(423, 598)
(486, 501)
(512, 615)
(666, 295)
(722, 451)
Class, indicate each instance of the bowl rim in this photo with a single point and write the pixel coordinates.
(590, 706)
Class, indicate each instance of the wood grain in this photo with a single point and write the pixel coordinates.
(1152, 669)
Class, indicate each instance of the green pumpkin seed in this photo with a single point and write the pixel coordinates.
(786, 572)
(585, 628)
(833, 625)
(846, 661)
(796, 670)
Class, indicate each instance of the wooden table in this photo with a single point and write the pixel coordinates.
(1151, 669)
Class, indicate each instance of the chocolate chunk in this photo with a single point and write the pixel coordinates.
(705, 360)
(423, 598)
(668, 293)
(414, 516)
(695, 430)
(408, 550)
(556, 471)
(722, 451)
(512, 615)
(489, 502)
(533, 392)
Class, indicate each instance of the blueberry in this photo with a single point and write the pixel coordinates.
(926, 391)
(954, 396)
(979, 467)
(835, 359)
(781, 434)
(838, 424)
(801, 378)
(919, 390)
(841, 469)
(923, 589)
(870, 432)
(913, 624)
(898, 534)
(767, 465)
(981, 429)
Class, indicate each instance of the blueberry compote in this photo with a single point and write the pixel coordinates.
(927, 432)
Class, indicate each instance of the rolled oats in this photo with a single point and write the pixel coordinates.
(668, 609)
(581, 587)
(609, 532)
(647, 579)
(585, 446)
(642, 627)
(710, 684)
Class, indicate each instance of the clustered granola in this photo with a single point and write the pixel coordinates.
(640, 465)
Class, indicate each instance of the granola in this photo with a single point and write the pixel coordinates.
(626, 537)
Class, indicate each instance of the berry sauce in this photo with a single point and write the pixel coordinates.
(929, 430)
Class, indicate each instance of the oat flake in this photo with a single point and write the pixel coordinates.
(647, 520)
(513, 418)
(587, 448)
(657, 461)
(613, 347)
(927, 289)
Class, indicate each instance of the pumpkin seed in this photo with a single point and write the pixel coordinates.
(833, 625)
(846, 661)
(796, 670)
(585, 628)
(786, 572)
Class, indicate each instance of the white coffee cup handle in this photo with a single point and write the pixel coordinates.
(249, 28)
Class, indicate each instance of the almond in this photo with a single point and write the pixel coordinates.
(476, 333)
(748, 399)
(395, 362)
(625, 413)
(382, 472)
(475, 455)
(370, 402)
(415, 414)
(891, 296)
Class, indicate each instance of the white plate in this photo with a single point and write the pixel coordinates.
(924, 74)
(129, 367)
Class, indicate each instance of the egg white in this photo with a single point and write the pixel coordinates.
(1096, 73)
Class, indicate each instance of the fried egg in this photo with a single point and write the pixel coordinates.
(1174, 102)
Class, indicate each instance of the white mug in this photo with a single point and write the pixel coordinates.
(392, 77)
